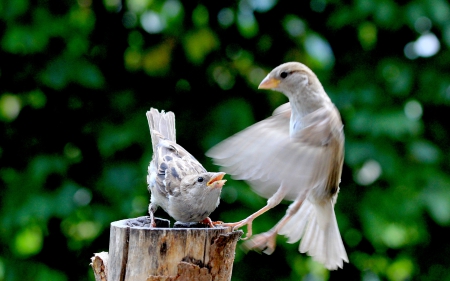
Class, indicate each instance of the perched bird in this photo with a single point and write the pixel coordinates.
(296, 154)
(178, 183)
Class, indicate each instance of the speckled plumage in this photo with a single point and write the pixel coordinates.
(178, 183)
(296, 154)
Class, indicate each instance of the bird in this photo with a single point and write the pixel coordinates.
(296, 154)
(177, 182)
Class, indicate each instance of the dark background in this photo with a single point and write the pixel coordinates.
(76, 78)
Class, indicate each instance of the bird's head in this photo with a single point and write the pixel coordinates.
(203, 184)
(289, 78)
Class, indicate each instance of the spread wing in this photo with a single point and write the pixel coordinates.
(266, 154)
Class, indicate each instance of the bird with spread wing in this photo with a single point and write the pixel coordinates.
(296, 154)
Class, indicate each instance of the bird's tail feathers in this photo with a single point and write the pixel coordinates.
(161, 124)
(317, 228)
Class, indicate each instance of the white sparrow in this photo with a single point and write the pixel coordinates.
(178, 183)
(296, 154)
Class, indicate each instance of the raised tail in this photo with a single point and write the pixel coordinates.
(317, 228)
(162, 123)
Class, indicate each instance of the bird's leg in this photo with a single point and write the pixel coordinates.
(266, 241)
(151, 210)
(272, 202)
(248, 221)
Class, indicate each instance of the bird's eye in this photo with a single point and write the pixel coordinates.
(283, 74)
(200, 179)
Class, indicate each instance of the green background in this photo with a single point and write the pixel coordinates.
(76, 78)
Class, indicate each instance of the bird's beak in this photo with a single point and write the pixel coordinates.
(269, 83)
(217, 181)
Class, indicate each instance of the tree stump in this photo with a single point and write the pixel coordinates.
(138, 252)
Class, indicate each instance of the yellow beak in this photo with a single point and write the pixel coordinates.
(269, 83)
(217, 181)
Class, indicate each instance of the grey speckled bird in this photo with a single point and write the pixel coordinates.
(178, 183)
(296, 154)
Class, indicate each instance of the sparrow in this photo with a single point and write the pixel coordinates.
(177, 182)
(296, 154)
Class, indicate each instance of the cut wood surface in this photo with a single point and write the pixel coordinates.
(99, 263)
(162, 253)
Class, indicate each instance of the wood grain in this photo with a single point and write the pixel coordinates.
(162, 253)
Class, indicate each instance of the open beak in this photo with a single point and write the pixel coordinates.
(217, 181)
(269, 83)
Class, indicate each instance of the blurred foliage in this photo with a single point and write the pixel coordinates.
(78, 76)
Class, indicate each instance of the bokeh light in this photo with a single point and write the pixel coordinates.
(369, 172)
(77, 78)
(427, 45)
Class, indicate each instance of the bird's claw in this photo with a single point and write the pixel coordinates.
(217, 222)
(249, 232)
(209, 222)
(236, 225)
(265, 242)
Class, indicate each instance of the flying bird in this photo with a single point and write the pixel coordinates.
(178, 183)
(296, 154)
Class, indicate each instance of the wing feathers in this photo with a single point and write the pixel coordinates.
(265, 154)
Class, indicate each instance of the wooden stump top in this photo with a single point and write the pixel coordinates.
(138, 252)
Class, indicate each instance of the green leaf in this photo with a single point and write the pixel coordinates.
(425, 152)
(247, 24)
(367, 34)
(138, 6)
(36, 99)
(200, 16)
(320, 52)
(294, 25)
(394, 124)
(88, 75)
(10, 106)
(437, 198)
(439, 10)
(172, 13)
(386, 14)
(24, 40)
(156, 61)
(401, 269)
(65, 69)
(13, 8)
(199, 43)
(28, 241)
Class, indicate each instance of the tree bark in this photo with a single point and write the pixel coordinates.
(162, 253)
(99, 263)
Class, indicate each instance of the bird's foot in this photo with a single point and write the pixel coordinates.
(264, 242)
(211, 223)
(248, 221)
(236, 225)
